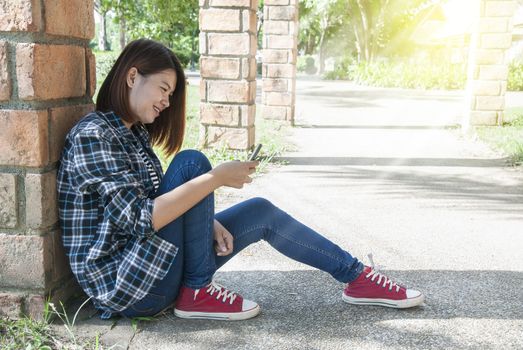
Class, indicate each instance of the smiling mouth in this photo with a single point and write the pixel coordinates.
(157, 110)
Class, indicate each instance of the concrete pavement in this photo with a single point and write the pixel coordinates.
(376, 170)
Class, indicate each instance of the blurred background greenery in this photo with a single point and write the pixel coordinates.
(390, 43)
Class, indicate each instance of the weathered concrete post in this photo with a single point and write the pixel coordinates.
(488, 66)
(228, 72)
(280, 43)
(47, 80)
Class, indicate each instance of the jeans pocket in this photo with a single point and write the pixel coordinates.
(148, 306)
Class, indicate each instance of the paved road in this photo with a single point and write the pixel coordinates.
(375, 170)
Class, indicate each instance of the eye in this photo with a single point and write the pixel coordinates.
(163, 89)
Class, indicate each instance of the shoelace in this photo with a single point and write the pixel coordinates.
(374, 273)
(222, 292)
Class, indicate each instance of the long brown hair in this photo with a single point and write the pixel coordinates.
(149, 57)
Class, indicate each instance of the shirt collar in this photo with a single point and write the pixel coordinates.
(117, 123)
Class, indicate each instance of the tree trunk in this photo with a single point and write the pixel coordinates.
(122, 33)
(102, 33)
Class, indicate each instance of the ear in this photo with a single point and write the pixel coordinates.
(131, 76)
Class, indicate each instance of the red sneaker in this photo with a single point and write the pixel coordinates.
(373, 288)
(214, 302)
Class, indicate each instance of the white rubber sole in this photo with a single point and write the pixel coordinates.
(228, 316)
(397, 304)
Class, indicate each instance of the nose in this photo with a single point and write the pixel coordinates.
(165, 101)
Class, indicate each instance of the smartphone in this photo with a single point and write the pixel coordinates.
(255, 153)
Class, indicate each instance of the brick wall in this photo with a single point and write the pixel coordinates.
(228, 72)
(47, 80)
(280, 40)
(488, 65)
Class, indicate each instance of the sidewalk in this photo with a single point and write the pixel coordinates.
(377, 170)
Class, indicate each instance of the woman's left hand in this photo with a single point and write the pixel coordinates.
(222, 239)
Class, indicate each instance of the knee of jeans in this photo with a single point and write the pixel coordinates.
(261, 205)
(191, 156)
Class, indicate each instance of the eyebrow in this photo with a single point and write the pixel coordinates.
(166, 83)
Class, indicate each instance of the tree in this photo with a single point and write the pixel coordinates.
(319, 21)
(376, 23)
(102, 7)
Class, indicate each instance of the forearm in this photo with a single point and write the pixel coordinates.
(174, 203)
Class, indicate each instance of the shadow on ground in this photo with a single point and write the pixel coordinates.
(305, 307)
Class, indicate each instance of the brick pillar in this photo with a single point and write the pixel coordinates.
(228, 71)
(488, 66)
(47, 78)
(280, 41)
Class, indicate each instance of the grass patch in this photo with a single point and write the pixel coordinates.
(25, 334)
(507, 138)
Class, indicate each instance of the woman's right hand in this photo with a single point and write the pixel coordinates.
(234, 173)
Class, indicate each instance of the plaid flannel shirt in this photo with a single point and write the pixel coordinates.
(105, 205)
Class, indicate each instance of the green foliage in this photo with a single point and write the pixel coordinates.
(515, 77)
(507, 138)
(104, 62)
(25, 333)
(402, 74)
(306, 64)
(171, 22)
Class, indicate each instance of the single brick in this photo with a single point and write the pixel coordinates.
(23, 137)
(274, 112)
(217, 114)
(11, 305)
(276, 85)
(486, 87)
(248, 115)
(489, 56)
(493, 72)
(231, 3)
(276, 27)
(281, 41)
(278, 98)
(9, 200)
(50, 71)
(229, 44)
(234, 138)
(484, 118)
(275, 56)
(40, 199)
(203, 43)
(223, 68)
(220, 20)
(281, 71)
(490, 103)
(286, 13)
(23, 16)
(91, 64)
(71, 18)
(12, 272)
(5, 78)
(62, 120)
(276, 2)
(248, 68)
(496, 40)
(498, 8)
(494, 24)
(229, 91)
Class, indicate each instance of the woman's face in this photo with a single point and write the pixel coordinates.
(149, 95)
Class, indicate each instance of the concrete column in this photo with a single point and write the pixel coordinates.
(280, 41)
(488, 65)
(228, 71)
(47, 80)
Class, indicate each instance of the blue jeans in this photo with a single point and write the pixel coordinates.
(249, 222)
